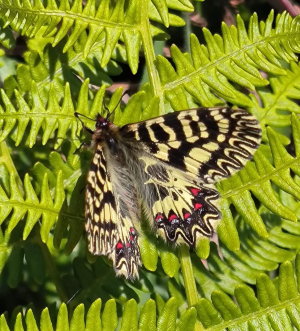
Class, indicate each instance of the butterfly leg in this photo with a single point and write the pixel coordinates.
(80, 146)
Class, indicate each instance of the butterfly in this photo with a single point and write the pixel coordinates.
(166, 166)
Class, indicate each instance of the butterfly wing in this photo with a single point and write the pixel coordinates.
(183, 208)
(100, 208)
(172, 163)
(108, 224)
(210, 143)
(184, 154)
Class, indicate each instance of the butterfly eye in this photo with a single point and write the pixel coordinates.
(102, 122)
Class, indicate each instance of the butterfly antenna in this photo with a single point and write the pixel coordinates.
(83, 125)
(76, 114)
(111, 113)
(73, 296)
(106, 108)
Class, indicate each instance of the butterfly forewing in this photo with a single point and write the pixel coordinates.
(100, 208)
(109, 229)
(170, 163)
(184, 154)
(210, 143)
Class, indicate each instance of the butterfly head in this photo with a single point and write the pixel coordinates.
(106, 132)
(102, 123)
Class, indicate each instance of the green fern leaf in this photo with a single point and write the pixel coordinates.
(109, 316)
(108, 321)
(108, 18)
(148, 317)
(281, 101)
(61, 117)
(187, 321)
(46, 208)
(207, 71)
(255, 255)
(271, 307)
(54, 67)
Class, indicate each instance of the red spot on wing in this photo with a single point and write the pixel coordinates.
(131, 229)
(158, 217)
(172, 217)
(119, 245)
(186, 215)
(195, 191)
(198, 206)
(131, 238)
(128, 245)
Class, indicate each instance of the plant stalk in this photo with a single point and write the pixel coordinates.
(150, 56)
(188, 275)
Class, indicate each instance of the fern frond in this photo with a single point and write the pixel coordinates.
(15, 206)
(259, 177)
(255, 255)
(280, 102)
(109, 18)
(199, 76)
(108, 319)
(49, 116)
(53, 67)
(7, 39)
(50, 119)
(293, 204)
(235, 57)
(44, 112)
(273, 307)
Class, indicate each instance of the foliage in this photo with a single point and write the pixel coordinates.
(275, 306)
(71, 48)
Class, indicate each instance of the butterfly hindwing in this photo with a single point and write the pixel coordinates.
(210, 143)
(183, 208)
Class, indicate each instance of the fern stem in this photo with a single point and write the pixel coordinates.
(150, 54)
(189, 280)
(188, 275)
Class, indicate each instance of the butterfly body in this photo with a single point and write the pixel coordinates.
(170, 165)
